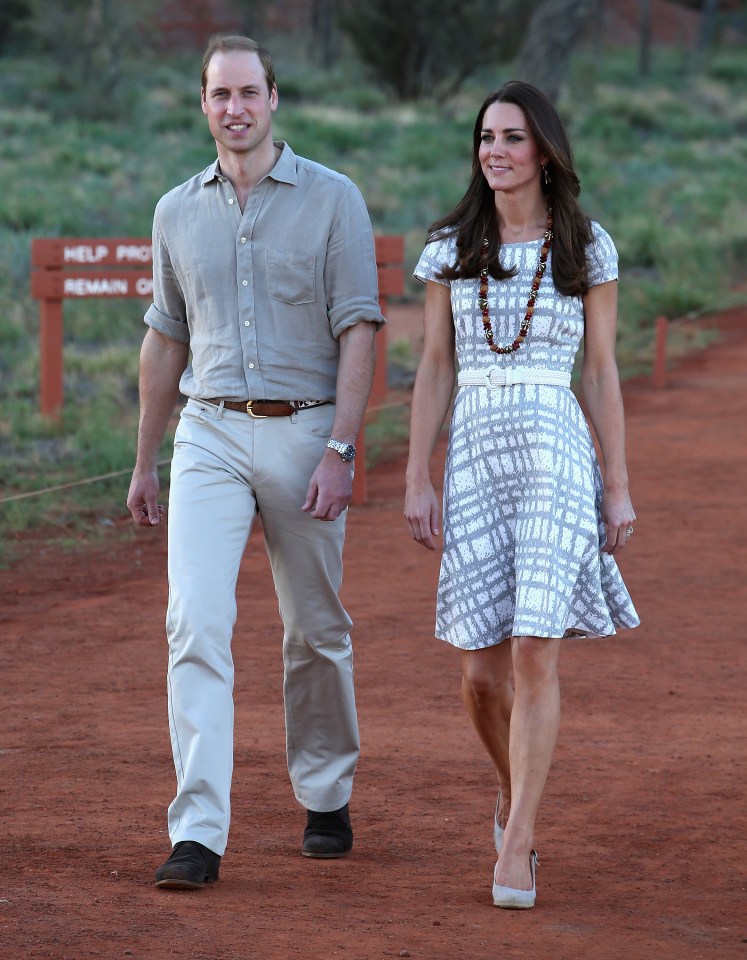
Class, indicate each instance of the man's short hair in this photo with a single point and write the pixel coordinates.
(221, 43)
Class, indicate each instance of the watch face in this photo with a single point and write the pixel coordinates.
(346, 450)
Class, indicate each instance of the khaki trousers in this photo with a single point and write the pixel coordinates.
(227, 467)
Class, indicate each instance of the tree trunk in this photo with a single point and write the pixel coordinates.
(324, 36)
(554, 30)
(599, 29)
(253, 18)
(708, 20)
(644, 48)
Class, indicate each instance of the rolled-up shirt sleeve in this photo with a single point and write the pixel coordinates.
(168, 312)
(350, 279)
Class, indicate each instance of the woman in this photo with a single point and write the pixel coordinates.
(515, 275)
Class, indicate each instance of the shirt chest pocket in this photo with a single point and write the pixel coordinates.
(291, 277)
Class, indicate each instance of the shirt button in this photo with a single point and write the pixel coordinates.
(245, 283)
(230, 199)
(247, 323)
(251, 366)
(243, 239)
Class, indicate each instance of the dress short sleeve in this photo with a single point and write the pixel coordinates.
(437, 255)
(602, 257)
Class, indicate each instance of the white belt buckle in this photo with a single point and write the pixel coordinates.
(502, 377)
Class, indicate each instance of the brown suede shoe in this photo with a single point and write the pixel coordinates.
(190, 866)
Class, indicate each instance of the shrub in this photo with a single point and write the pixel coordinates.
(427, 48)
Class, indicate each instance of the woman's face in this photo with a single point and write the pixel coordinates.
(509, 155)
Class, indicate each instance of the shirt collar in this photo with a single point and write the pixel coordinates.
(284, 170)
(212, 173)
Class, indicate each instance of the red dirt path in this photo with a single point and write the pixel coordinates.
(641, 834)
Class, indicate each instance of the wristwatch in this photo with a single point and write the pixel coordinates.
(346, 450)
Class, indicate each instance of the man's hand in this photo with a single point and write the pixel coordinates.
(330, 489)
(142, 498)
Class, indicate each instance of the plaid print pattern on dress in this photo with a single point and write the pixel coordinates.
(523, 486)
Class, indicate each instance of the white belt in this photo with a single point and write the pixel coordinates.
(507, 376)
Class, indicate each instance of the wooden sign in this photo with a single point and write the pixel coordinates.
(98, 252)
(59, 285)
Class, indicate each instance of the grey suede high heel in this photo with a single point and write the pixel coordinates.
(497, 828)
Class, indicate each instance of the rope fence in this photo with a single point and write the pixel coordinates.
(73, 483)
(58, 487)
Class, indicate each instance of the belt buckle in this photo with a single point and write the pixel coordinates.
(257, 416)
(494, 377)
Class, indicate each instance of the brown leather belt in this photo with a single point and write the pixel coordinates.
(259, 409)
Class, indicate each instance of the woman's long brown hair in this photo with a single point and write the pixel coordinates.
(474, 217)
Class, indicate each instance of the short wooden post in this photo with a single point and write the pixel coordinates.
(378, 386)
(660, 353)
(390, 254)
(50, 357)
(360, 484)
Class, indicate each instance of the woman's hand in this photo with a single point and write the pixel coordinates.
(618, 515)
(421, 512)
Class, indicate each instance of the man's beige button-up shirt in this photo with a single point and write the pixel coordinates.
(262, 297)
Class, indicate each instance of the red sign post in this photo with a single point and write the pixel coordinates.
(57, 275)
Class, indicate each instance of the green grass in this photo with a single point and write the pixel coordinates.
(661, 163)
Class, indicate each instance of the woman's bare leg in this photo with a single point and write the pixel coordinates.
(535, 721)
(488, 697)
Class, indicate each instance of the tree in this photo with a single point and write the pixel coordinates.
(324, 34)
(644, 47)
(252, 18)
(429, 47)
(708, 21)
(554, 30)
(14, 15)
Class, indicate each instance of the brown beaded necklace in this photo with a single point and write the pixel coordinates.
(526, 322)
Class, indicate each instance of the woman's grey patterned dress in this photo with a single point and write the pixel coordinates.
(523, 487)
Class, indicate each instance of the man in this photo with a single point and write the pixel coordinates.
(264, 271)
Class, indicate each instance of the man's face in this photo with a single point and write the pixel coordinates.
(237, 103)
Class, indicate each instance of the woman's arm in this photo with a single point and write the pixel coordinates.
(601, 388)
(434, 385)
